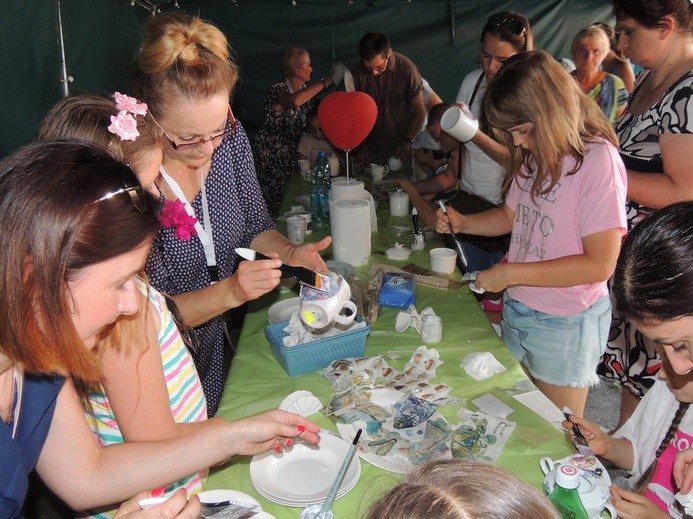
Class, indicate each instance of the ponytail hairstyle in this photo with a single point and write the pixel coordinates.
(182, 56)
(645, 479)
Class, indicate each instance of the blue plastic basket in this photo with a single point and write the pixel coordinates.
(317, 354)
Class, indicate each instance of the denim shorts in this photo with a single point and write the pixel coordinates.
(556, 349)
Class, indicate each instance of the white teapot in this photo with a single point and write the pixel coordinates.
(594, 483)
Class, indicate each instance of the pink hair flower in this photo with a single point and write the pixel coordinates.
(124, 126)
(174, 215)
(129, 104)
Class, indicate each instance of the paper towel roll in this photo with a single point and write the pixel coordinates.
(350, 222)
(346, 190)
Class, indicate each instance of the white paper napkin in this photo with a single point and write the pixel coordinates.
(304, 403)
(481, 365)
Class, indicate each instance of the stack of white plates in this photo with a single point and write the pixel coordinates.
(303, 474)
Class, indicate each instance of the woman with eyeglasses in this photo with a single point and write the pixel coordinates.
(149, 388)
(656, 138)
(78, 227)
(283, 121)
(210, 192)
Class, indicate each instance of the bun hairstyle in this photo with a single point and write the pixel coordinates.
(182, 56)
(53, 229)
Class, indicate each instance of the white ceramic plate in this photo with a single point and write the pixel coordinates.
(223, 494)
(344, 269)
(282, 310)
(303, 474)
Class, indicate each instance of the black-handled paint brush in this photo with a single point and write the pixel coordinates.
(458, 244)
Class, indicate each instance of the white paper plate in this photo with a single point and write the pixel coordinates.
(303, 474)
(282, 310)
(396, 464)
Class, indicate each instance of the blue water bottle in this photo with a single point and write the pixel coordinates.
(320, 195)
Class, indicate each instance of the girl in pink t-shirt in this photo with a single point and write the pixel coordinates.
(565, 210)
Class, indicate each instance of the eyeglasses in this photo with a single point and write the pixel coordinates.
(187, 332)
(187, 146)
(514, 26)
(380, 68)
(131, 186)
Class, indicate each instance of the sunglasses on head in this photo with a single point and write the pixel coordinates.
(514, 26)
(130, 184)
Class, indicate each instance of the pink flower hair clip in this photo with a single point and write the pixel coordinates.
(174, 215)
(124, 124)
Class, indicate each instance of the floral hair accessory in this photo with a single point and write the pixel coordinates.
(174, 215)
(129, 104)
(124, 125)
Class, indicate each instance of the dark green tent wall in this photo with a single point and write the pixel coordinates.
(101, 37)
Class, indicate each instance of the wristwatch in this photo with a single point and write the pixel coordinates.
(324, 82)
(408, 140)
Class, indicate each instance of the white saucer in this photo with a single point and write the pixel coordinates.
(304, 200)
(303, 475)
(282, 310)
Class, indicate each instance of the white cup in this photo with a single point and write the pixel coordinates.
(443, 260)
(309, 220)
(431, 328)
(304, 164)
(296, 229)
(399, 203)
(318, 309)
(394, 163)
(378, 172)
(459, 123)
(334, 164)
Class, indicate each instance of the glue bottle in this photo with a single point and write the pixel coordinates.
(565, 496)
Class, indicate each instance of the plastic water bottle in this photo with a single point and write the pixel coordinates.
(565, 496)
(320, 196)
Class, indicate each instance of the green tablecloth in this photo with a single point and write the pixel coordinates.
(258, 383)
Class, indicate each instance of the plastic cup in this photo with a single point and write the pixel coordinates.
(443, 260)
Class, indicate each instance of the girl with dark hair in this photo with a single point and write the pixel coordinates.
(78, 227)
(655, 137)
(653, 287)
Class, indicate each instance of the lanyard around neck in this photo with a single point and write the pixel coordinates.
(204, 233)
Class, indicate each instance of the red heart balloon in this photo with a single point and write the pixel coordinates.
(347, 118)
